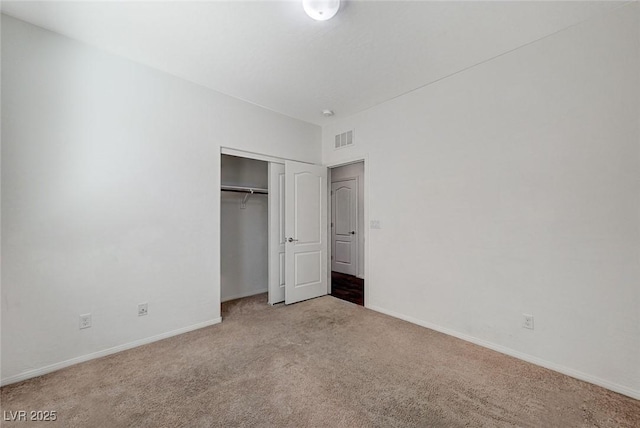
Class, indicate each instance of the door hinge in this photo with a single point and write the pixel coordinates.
(331, 224)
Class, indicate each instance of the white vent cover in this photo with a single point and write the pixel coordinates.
(344, 140)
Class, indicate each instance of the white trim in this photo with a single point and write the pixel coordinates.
(249, 155)
(99, 354)
(348, 161)
(621, 389)
(245, 294)
(258, 156)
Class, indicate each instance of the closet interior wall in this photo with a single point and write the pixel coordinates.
(243, 231)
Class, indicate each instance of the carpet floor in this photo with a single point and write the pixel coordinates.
(319, 363)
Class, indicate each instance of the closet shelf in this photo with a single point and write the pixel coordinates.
(248, 190)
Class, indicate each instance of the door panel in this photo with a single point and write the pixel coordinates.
(308, 268)
(307, 194)
(342, 196)
(343, 252)
(305, 225)
(344, 217)
(281, 273)
(276, 233)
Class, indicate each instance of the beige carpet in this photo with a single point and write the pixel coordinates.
(320, 363)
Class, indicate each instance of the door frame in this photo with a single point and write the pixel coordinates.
(224, 150)
(365, 233)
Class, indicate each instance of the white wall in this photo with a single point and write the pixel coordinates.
(350, 171)
(514, 187)
(244, 232)
(110, 197)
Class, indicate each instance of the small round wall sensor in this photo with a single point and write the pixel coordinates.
(327, 113)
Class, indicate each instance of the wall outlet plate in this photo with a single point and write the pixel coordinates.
(375, 224)
(85, 321)
(143, 309)
(527, 321)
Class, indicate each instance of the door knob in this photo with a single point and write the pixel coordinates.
(353, 232)
(291, 240)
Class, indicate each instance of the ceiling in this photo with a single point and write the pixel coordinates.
(271, 54)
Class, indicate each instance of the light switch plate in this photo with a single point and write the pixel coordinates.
(143, 309)
(85, 321)
(527, 321)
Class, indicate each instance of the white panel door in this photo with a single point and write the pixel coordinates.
(344, 220)
(276, 233)
(306, 231)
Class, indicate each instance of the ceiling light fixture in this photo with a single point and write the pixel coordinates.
(321, 10)
(327, 113)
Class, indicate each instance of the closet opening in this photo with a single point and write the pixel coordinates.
(347, 232)
(244, 227)
(273, 228)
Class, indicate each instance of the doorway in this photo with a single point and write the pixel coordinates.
(347, 232)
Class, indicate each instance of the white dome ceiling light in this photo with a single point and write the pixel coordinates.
(321, 10)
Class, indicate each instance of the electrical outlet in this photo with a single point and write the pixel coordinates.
(375, 224)
(142, 309)
(527, 321)
(85, 321)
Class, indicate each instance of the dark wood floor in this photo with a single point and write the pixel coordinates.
(347, 287)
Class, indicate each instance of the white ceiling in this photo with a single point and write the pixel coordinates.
(271, 54)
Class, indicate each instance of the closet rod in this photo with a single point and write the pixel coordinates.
(244, 190)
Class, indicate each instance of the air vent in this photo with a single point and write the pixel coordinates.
(344, 140)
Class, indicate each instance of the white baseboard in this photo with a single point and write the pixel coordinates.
(57, 366)
(621, 389)
(245, 294)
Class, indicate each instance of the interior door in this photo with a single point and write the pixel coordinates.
(344, 220)
(276, 233)
(305, 226)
